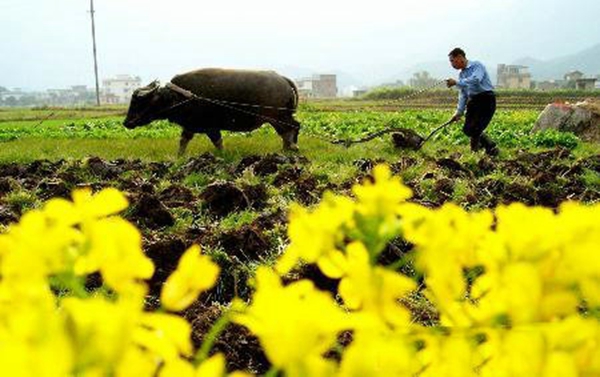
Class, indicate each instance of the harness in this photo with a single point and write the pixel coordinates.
(235, 106)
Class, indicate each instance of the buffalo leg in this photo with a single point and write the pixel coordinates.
(186, 136)
(288, 133)
(215, 137)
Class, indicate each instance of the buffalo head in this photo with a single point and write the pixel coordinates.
(144, 106)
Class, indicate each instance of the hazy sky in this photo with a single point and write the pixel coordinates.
(47, 43)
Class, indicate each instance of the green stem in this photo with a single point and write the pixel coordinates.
(272, 372)
(211, 337)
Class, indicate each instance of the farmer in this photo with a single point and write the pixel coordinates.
(476, 96)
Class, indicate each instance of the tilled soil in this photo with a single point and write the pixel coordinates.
(174, 211)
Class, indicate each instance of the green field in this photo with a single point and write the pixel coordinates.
(70, 133)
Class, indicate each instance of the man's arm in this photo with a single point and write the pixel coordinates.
(476, 76)
(462, 102)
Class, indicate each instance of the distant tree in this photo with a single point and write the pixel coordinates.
(421, 80)
(27, 101)
(11, 101)
(3, 89)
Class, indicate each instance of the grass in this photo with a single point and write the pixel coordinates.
(76, 134)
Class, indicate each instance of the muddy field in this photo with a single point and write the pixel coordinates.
(237, 211)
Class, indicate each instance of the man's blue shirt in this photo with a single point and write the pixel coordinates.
(472, 80)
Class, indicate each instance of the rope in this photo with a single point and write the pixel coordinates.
(418, 92)
(190, 94)
(230, 105)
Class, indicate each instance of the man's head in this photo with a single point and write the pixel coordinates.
(458, 58)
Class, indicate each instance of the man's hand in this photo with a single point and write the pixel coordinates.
(455, 118)
(450, 83)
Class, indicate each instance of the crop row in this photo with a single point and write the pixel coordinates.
(509, 128)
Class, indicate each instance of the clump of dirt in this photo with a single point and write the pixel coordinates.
(395, 250)
(592, 163)
(43, 168)
(205, 163)
(247, 243)
(93, 281)
(30, 183)
(549, 196)
(403, 164)
(177, 196)
(151, 212)
(428, 175)
(287, 175)
(53, 188)
(257, 195)
(307, 191)
(245, 163)
(13, 170)
(406, 138)
(454, 167)
(444, 188)
(270, 220)
(269, 164)
(486, 165)
(517, 192)
(7, 185)
(222, 198)
(527, 163)
(102, 168)
(313, 273)
(159, 169)
(129, 165)
(242, 350)
(365, 165)
(7, 215)
(165, 255)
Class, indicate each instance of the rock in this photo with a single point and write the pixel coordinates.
(582, 119)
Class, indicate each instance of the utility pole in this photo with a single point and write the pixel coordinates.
(95, 58)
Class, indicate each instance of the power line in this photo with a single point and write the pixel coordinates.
(95, 55)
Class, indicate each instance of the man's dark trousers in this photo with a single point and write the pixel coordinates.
(480, 110)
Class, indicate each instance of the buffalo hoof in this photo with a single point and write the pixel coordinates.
(291, 147)
(218, 144)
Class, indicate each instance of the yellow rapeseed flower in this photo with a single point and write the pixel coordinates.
(317, 236)
(195, 273)
(295, 324)
(372, 290)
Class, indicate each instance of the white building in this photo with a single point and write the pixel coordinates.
(513, 77)
(118, 90)
(318, 86)
(16, 94)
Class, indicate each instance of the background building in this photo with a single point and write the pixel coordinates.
(573, 76)
(119, 89)
(513, 77)
(318, 86)
(585, 84)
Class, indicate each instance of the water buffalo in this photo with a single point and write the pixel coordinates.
(210, 100)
